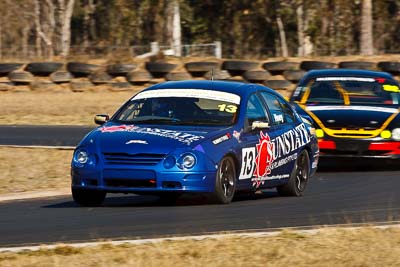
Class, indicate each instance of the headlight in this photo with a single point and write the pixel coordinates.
(186, 161)
(396, 134)
(385, 134)
(319, 133)
(81, 156)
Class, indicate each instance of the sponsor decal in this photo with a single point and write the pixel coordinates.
(237, 135)
(183, 137)
(269, 154)
(278, 118)
(358, 79)
(298, 91)
(143, 142)
(195, 93)
(360, 108)
(221, 139)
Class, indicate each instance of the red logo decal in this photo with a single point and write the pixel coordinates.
(119, 128)
(264, 159)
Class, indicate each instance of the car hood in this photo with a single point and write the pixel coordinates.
(366, 117)
(154, 139)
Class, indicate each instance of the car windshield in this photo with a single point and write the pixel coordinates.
(181, 107)
(351, 90)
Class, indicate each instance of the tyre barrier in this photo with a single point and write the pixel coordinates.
(200, 68)
(159, 69)
(79, 69)
(139, 77)
(20, 77)
(80, 85)
(390, 66)
(61, 77)
(363, 65)
(256, 76)
(316, 65)
(217, 75)
(278, 67)
(6, 68)
(278, 84)
(178, 76)
(238, 67)
(100, 77)
(44, 85)
(43, 68)
(293, 75)
(120, 69)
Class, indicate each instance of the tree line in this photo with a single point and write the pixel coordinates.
(246, 28)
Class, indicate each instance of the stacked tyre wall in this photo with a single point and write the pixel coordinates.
(80, 76)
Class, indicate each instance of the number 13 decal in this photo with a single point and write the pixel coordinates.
(248, 163)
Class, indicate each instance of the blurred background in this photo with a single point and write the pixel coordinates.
(258, 29)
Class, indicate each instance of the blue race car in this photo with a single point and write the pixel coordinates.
(209, 137)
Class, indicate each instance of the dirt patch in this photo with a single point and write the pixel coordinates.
(328, 247)
(25, 169)
(58, 108)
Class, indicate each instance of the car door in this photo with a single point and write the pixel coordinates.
(256, 149)
(283, 122)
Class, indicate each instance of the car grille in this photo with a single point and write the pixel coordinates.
(132, 159)
(130, 183)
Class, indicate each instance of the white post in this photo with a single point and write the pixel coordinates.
(176, 30)
(218, 49)
(154, 47)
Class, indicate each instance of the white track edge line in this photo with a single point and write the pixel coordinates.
(257, 234)
(35, 146)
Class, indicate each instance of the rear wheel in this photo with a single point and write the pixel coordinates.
(87, 197)
(298, 180)
(225, 181)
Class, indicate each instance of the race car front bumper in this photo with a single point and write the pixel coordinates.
(359, 148)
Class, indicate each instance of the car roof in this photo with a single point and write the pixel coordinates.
(346, 73)
(239, 88)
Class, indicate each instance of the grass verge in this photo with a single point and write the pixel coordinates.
(40, 108)
(328, 247)
(28, 169)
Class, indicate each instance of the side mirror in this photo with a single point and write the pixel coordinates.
(100, 119)
(259, 125)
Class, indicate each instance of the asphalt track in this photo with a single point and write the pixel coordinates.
(331, 198)
(30, 135)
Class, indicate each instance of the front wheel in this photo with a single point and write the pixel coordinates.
(87, 197)
(298, 179)
(225, 181)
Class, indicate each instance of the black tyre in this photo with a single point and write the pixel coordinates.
(293, 75)
(278, 67)
(299, 178)
(178, 76)
(100, 77)
(79, 69)
(43, 68)
(225, 181)
(278, 84)
(237, 67)
(217, 75)
(198, 69)
(87, 197)
(314, 65)
(6, 86)
(120, 69)
(139, 77)
(80, 85)
(20, 77)
(363, 65)
(44, 85)
(6, 68)
(390, 66)
(61, 77)
(256, 76)
(159, 69)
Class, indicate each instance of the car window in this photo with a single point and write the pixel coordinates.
(255, 110)
(274, 107)
(287, 111)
